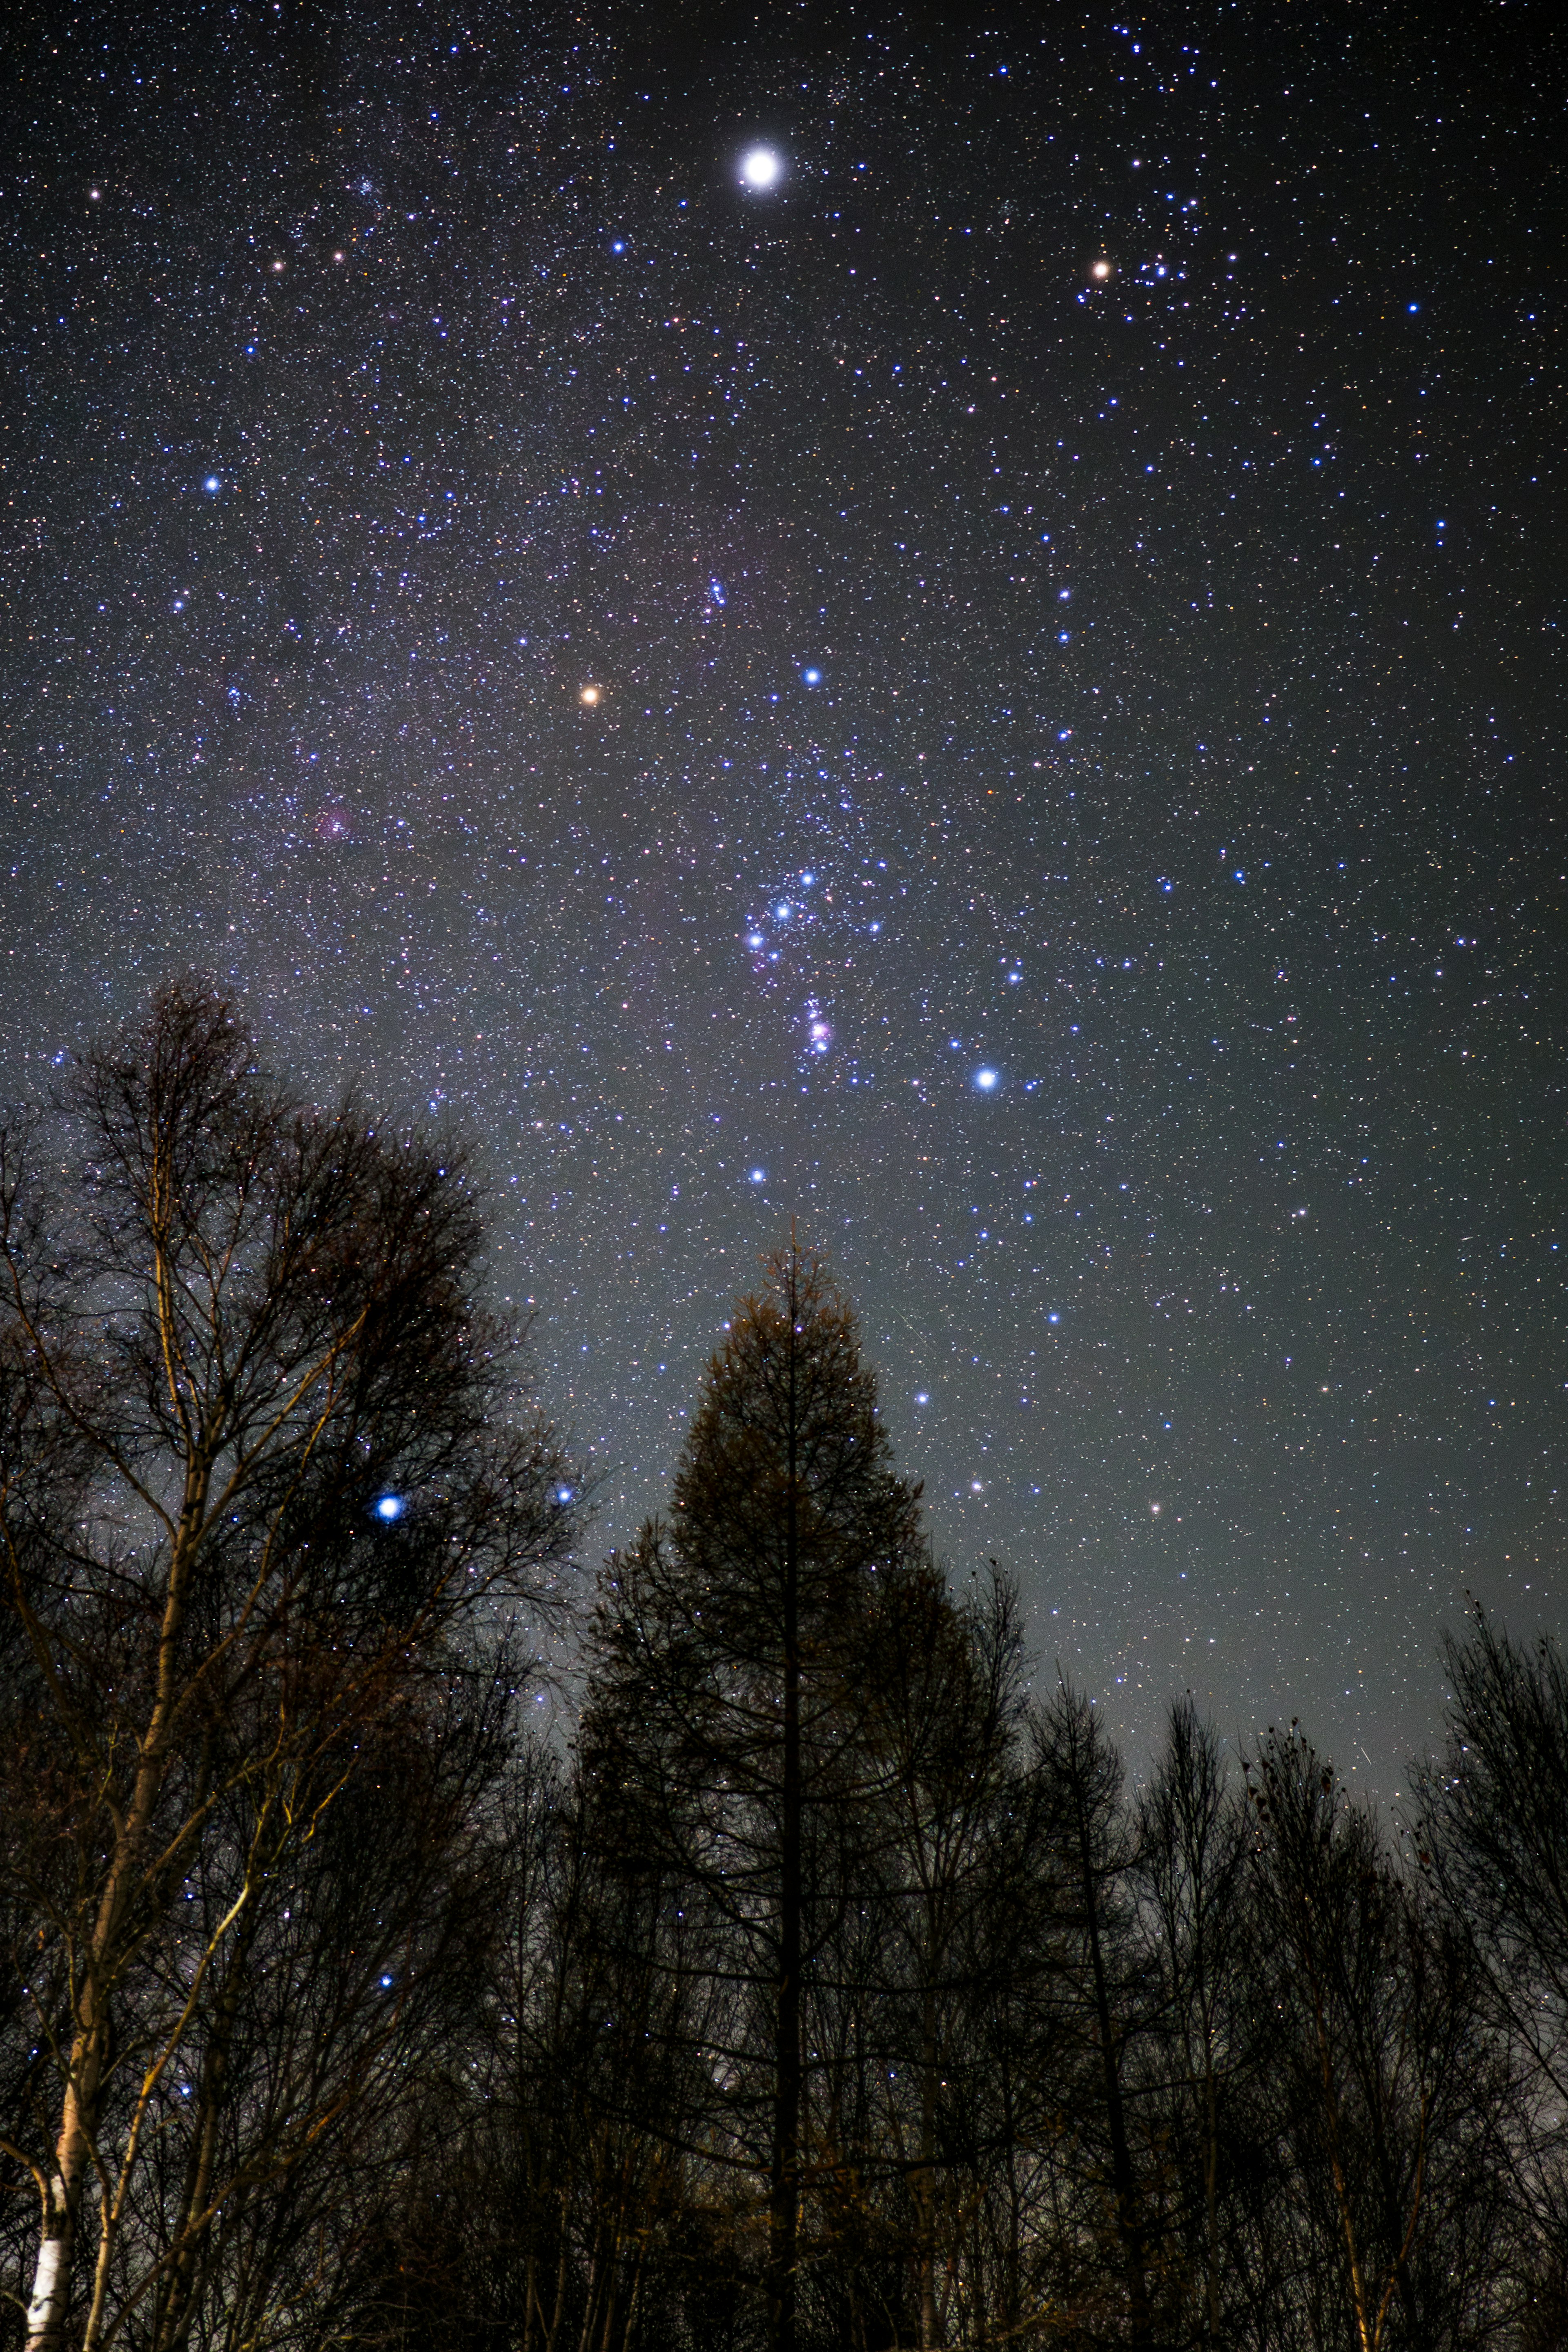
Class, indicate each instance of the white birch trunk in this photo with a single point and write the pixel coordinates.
(52, 2270)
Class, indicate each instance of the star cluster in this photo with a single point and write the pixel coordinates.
(952, 633)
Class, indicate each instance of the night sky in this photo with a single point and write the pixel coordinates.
(998, 692)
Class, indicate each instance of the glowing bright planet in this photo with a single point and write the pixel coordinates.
(760, 167)
(390, 1506)
(588, 696)
(987, 1080)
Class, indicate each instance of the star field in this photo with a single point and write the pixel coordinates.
(951, 631)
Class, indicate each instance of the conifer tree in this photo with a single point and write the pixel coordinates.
(725, 1720)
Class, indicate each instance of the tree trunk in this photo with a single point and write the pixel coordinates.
(74, 2150)
(562, 2270)
(926, 2190)
(175, 2306)
(1124, 2187)
(784, 2200)
(1211, 2183)
(591, 2307)
(51, 2275)
(1012, 2301)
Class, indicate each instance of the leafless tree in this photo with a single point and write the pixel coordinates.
(1381, 2079)
(1193, 1839)
(944, 1704)
(1106, 1984)
(264, 1456)
(1492, 1828)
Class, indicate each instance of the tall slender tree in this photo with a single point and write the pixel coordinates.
(1081, 1776)
(1492, 1828)
(944, 1692)
(1193, 1839)
(725, 1707)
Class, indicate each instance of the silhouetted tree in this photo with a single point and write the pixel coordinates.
(1383, 2082)
(1492, 1826)
(264, 1455)
(944, 1702)
(1105, 1979)
(1192, 1842)
(726, 1704)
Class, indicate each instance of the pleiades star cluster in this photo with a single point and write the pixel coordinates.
(941, 624)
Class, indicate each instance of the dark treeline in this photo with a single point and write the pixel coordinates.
(834, 1989)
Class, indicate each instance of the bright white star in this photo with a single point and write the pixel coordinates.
(760, 167)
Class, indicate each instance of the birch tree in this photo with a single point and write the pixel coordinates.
(265, 1456)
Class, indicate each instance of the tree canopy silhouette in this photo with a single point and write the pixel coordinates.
(264, 1452)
